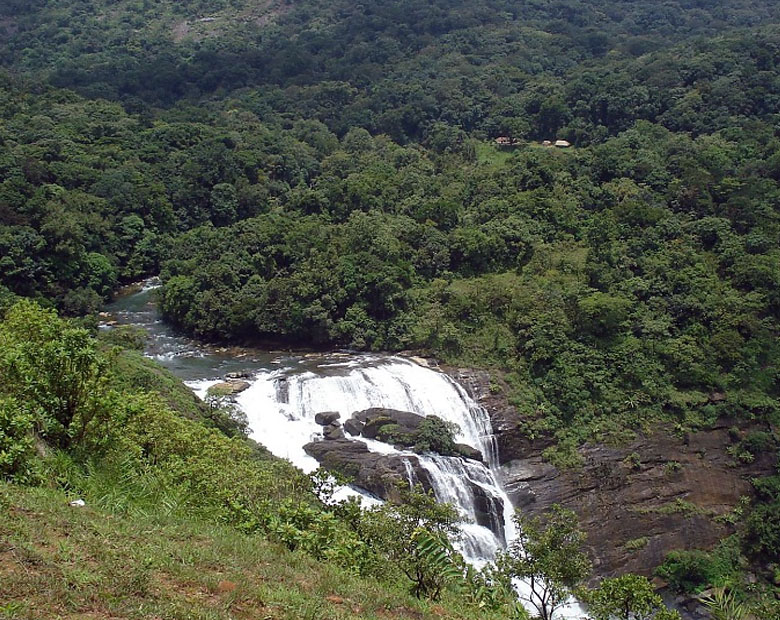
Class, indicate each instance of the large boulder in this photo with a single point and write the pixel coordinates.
(467, 452)
(379, 474)
(229, 388)
(324, 418)
(388, 425)
(333, 432)
(398, 428)
(238, 375)
(406, 420)
(488, 510)
(353, 426)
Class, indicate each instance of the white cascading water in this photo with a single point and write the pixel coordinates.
(281, 405)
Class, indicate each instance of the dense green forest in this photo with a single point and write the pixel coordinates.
(320, 174)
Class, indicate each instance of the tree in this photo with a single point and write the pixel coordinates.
(547, 555)
(628, 597)
(56, 370)
(224, 204)
(407, 532)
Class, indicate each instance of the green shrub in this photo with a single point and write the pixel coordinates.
(757, 442)
(762, 535)
(686, 571)
(213, 468)
(762, 526)
(392, 530)
(628, 597)
(17, 452)
(56, 370)
(125, 336)
(694, 571)
(636, 543)
(436, 435)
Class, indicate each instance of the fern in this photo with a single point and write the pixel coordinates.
(724, 605)
(438, 563)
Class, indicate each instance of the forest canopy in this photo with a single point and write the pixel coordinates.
(334, 182)
(326, 174)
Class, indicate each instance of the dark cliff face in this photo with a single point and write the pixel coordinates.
(381, 475)
(636, 502)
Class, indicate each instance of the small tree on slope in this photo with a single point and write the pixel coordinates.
(547, 555)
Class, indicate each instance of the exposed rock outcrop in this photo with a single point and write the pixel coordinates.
(398, 428)
(353, 426)
(325, 418)
(636, 502)
(333, 432)
(404, 422)
(381, 475)
(229, 388)
(238, 375)
(468, 452)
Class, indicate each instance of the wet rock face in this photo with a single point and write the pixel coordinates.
(326, 418)
(333, 432)
(489, 511)
(635, 502)
(381, 475)
(398, 428)
(468, 452)
(353, 427)
(373, 419)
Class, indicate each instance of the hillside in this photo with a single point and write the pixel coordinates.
(322, 175)
(65, 562)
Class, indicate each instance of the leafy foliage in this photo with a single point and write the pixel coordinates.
(56, 374)
(413, 534)
(157, 562)
(763, 522)
(628, 597)
(627, 280)
(16, 442)
(325, 174)
(436, 435)
(724, 605)
(546, 554)
(693, 571)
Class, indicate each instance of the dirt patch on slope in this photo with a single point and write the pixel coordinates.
(260, 14)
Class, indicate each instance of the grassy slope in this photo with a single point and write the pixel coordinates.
(63, 562)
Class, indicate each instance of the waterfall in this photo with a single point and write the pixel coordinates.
(281, 405)
(286, 393)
